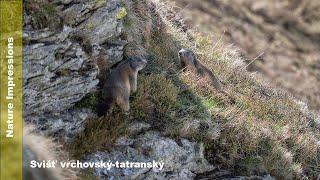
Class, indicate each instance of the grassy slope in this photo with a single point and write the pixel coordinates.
(255, 128)
(280, 37)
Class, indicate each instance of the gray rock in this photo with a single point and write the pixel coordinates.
(123, 141)
(100, 21)
(103, 24)
(65, 124)
(138, 127)
(104, 29)
(52, 84)
(182, 161)
(57, 71)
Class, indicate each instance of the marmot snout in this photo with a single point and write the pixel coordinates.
(189, 60)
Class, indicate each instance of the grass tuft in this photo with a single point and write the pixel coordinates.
(43, 14)
(156, 97)
(99, 134)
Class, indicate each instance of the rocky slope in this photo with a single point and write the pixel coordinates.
(198, 133)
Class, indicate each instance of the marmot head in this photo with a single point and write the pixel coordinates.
(187, 56)
(137, 63)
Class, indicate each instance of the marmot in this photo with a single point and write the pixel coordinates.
(120, 82)
(189, 60)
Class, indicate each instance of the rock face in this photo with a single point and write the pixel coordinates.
(65, 125)
(57, 70)
(181, 160)
(53, 84)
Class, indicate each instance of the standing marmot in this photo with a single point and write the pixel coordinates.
(121, 81)
(189, 60)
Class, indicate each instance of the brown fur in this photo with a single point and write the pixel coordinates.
(121, 81)
(189, 60)
(39, 148)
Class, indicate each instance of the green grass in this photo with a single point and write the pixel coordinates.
(210, 103)
(90, 101)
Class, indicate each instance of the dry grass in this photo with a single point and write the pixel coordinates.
(149, 103)
(261, 123)
(255, 129)
(43, 14)
(286, 33)
(99, 134)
